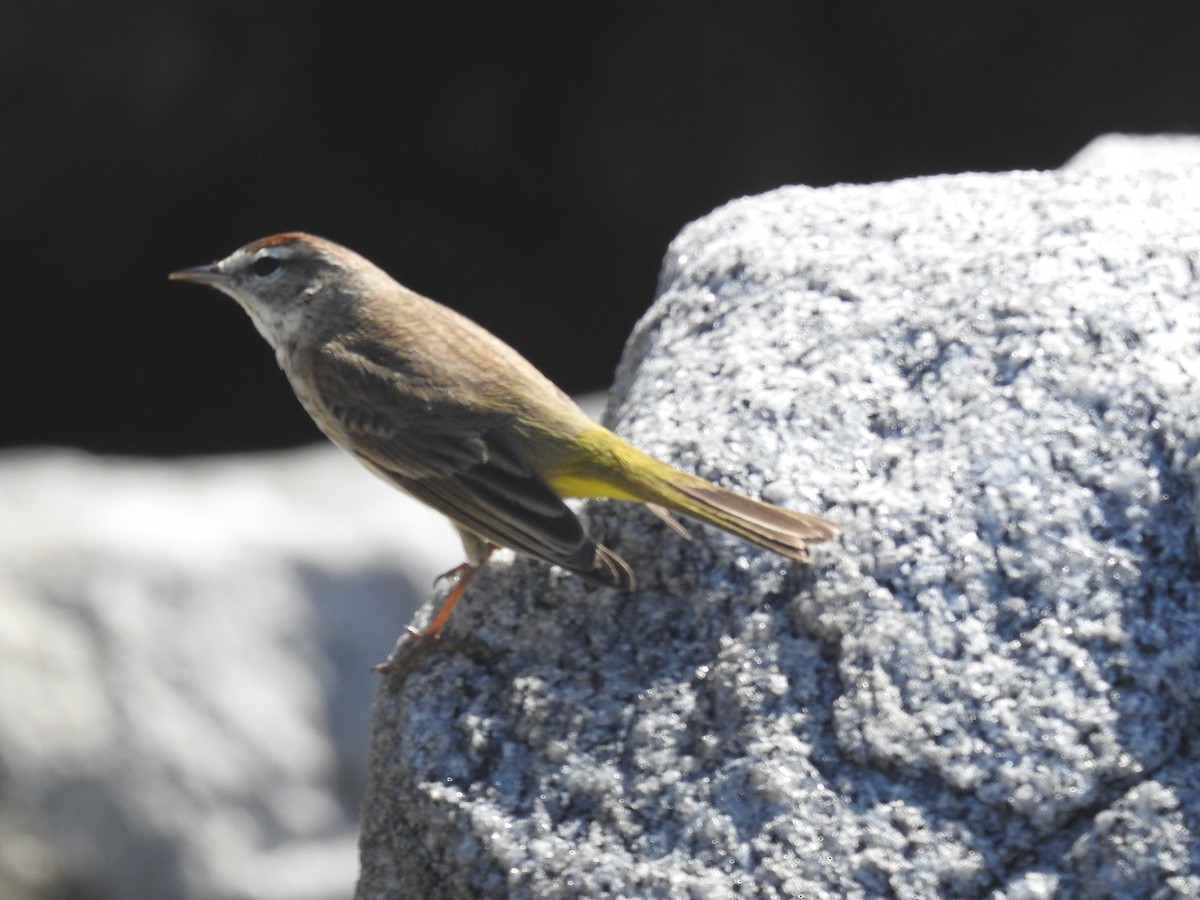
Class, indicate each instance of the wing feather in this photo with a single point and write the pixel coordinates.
(456, 456)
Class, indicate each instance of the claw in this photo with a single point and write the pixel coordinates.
(457, 572)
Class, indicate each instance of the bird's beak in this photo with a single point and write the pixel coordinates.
(209, 274)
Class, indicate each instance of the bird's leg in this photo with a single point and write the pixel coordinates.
(462, 575)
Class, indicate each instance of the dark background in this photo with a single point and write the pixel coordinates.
(525, 163)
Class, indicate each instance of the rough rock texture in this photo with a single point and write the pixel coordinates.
(184, 684)
(988, 687)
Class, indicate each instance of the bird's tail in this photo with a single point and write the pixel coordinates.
(609, 466)
(774, 528)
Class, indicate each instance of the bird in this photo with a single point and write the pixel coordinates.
(442, 409)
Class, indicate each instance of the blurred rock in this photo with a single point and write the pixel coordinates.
(184, 685)
(988, 687)
(1137, 151)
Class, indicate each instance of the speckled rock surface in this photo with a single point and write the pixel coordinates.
(987, 688)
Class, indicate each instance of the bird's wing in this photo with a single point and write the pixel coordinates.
(449, 453)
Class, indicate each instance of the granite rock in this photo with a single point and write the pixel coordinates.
(986, 688)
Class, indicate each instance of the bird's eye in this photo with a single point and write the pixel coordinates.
(265, 265)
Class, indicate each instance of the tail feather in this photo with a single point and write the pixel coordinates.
(774, 528)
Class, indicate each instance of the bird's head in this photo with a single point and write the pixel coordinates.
(275, 279)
